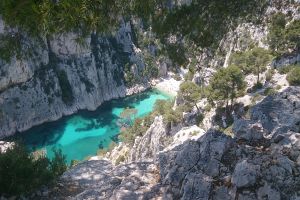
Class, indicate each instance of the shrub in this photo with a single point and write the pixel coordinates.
(74, 163)
(120, 159)
(137, 129)
(199, 118)
(129, 77)
(269, 91)
(190, 93)
(281, 36)
(189, 76)
(228, 131)
(287, 69)
(226, 84)
(58, 163)
(176, 53)
(165, 108)
(221, 111)
(269, 75)
(278, 87)
(20, 173)
(276, 33)
(293, 76)
(252, 61)
(176, 77)
(257, 86)
(151, 70)
(208, 107)
(255, 98)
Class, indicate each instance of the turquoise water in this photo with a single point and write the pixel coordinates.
(82, 134)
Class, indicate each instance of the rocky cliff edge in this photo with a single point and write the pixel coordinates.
(262, 161)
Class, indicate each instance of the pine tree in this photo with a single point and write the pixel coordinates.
(227, 84)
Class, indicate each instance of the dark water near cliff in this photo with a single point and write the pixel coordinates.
(82, 134)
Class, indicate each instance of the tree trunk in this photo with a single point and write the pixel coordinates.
(227, 106)
(197, 108)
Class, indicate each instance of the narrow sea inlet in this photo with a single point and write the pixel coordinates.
(82, 134)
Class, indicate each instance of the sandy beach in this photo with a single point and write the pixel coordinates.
(168, 85)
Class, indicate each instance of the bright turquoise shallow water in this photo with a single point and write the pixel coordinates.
(82, 134)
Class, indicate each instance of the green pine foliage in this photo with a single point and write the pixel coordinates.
(195, 22)
(282, 36)
(129, 77)
(21, 173)
(165, 108)
(191, 93)
(137, 129)
(252, 61)
(287, 69)
(226, 84)
(293, 76)
(151, 70)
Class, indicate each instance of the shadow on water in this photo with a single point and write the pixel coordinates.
(42, 135)
(83, 133)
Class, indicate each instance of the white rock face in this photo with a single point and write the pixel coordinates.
(31, 88)
(66, 45)
(154, 138)
(5, 145)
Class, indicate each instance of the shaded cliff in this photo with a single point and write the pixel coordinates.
(63, 75)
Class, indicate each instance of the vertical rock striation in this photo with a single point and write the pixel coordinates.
(62, 76)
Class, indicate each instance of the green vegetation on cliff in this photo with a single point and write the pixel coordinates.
(252, 61)
(22, 173)
(191, 93)
(293, 76)
(283, 37)
(195, 22)
(226, 85)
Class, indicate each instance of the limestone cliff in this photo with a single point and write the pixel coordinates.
(260, 162)
(62, 75)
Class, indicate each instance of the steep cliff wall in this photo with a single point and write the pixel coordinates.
(62, 75)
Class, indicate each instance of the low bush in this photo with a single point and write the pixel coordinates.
(283, 35)
(269, 75)
(101, 152)
(208, 107)
(255, 98)
(286, 69)
(21, 173)
(269, 91)
(293, 76)
(165, 108)
(120, 159)
(141, 125)
(130, 133)
(199, 119)
(256, 87)
(176, 77)
(220, 113)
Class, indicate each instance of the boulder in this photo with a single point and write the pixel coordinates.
(245, 174)
(196, 186)
(246, 130)
(266, 192)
